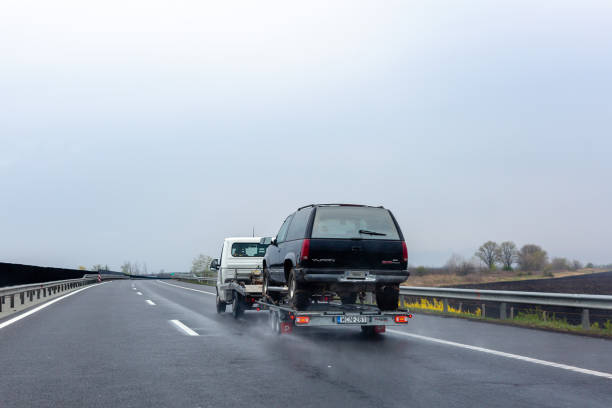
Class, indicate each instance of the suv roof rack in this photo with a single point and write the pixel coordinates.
(340, 205)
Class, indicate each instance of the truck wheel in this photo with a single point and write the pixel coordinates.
(298, 298)
(387, 297)
(348, 298)
(275, 296)
(237, 307)
(220, 305)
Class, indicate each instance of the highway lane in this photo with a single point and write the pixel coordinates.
(109, 346)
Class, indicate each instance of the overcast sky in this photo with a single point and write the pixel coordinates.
(150, 130)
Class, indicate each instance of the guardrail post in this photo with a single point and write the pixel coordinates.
(31, 295)
(460, 307)
(512, 313)
(12, 301)
(22, 296)
(38, 294)
(586, 322)
(445, 305)
(1, 302)
(502, 310)
(483, 310)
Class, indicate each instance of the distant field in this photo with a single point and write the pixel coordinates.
(593, 283)
(446, 279)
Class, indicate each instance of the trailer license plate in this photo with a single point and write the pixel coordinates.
(352, 319)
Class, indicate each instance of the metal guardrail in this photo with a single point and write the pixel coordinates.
(32, 291)
(503, 297)
(37, 290)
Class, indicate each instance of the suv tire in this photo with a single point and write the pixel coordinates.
(275, 296)
(298, 297)
(387, 297)
(348, 298)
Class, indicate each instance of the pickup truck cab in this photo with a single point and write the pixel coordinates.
(239, 266)
(340, 249)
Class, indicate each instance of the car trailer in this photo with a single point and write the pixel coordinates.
(372, 320)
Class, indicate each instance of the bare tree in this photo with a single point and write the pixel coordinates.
(532, 258)
(201, 264)
(507, 254)
(576, 264)
(559, 264)
(487, 253)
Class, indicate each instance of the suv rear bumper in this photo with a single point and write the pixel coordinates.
(348, 276)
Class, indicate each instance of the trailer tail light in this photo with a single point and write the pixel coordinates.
(404, 251)
(302, 320)
(305, 250)
(401, 319)
(379, 329)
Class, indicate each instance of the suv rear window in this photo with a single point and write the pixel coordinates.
(248, 249)
(354, 222)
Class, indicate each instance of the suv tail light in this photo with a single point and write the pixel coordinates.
(405, 251)
(305, 250)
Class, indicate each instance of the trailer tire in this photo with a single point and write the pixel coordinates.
(387, 297)
(274, 322)
(298, 298)
(368, 331)
(237, 306)
(220, 305)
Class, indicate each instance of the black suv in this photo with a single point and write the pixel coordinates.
(343, 249)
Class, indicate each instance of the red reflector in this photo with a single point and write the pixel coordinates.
(258, 309)
(305, 250)
(405, 251)
(285, 327)
(379, 329)
(302, 320)
(410, 316)
(401, 319)
(291, 316)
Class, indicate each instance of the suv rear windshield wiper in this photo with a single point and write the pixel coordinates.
(362, 231)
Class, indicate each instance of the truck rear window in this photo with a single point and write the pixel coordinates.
(248, 249)
(354, 222)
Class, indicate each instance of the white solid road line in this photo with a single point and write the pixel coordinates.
(150, 302)
(49, 303)
(184, 328)
(507, 355)
(139, 293)
(182, 287)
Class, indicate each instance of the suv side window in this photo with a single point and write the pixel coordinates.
(297, 229)
(280, 237)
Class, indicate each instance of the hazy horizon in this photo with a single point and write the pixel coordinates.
(149, 131)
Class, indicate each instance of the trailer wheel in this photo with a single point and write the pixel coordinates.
(237, 306)
(220, 305)
(387, 297)
(300, 299)
(274, 322)
(368, 331)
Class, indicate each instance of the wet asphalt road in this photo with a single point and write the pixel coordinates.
(108, 346)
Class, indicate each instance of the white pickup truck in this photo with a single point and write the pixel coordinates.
(239, 273)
